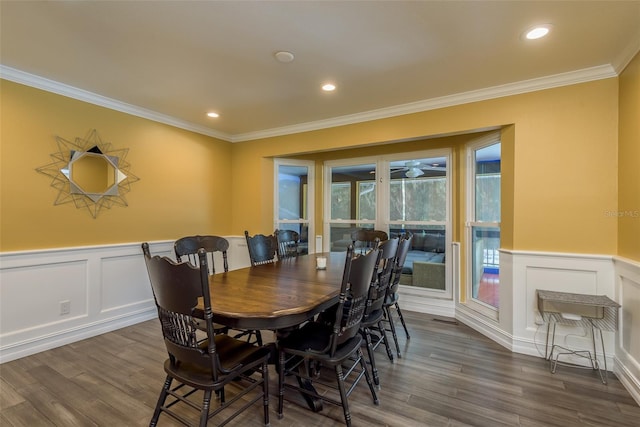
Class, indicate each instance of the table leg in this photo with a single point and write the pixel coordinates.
(314, 403)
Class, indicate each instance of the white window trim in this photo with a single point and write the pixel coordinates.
(474, 304)
(310, 221)
(382, 197)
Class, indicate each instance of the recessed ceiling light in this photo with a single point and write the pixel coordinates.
(537, 32)
(284, 56)
(212, 114)
(328, 87)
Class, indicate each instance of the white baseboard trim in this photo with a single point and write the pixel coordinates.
(444, 308)
(71, 335)
(485, 326)
(627, 379)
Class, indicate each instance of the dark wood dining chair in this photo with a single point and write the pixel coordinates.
(207, 365)
(372, 329)
(186, 249)
(364, 239)
(262, 249)
(331, 343)
(392, 298)
(288, 241)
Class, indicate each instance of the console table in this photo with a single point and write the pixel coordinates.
(597, 312)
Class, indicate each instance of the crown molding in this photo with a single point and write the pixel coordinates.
(532, 85)
(626, 56)
(38, 82)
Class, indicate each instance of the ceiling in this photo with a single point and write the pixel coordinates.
(174, 61)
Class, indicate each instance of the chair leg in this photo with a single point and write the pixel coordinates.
(161, 399)
(372, 361)
(387, 310)
(363, 365)
(206, 404)
(343, 391)
(385, 341)
(265, 392)
(404, 325)
(281, 372)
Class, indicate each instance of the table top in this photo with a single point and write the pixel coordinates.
(582, 299)
(275, 296)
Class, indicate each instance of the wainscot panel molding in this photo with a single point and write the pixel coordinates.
(107, 288)
(414, 299)
(627, 363)
(522, 330)
(104, 287)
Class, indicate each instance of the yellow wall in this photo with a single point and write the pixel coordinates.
(563, 159)
(179, 172)
(629, 162)
(564, 162)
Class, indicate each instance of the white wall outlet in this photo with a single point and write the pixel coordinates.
(65, 307)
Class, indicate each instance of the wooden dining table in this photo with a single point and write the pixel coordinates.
(276, 296)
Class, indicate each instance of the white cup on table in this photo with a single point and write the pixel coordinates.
(321, 262)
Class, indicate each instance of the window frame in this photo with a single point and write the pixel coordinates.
(471, 223)
(382, 220)
(310, 199)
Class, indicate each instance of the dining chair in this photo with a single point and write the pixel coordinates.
(364, 239)
(372, 328)
(186, 248)
(392, 298)
(331, 344)
(262, 249)
(208, 365)
(288, 241)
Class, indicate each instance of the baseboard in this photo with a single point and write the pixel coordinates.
(485, 326)
(627, 379)
(437, 307)
(71, 335)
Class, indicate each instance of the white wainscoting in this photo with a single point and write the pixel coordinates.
(627, 363)
(520, 328)
(106, 288)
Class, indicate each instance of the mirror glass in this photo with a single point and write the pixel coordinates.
(92, 173)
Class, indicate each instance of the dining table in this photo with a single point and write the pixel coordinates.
(277, 296)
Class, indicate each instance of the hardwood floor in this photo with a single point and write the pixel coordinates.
(449, 375)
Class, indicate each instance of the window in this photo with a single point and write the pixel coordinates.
(352, 200)
(419, 203)
(484, 224)
(340, 200)
(294, 200)
(397, 195)
(366, 208)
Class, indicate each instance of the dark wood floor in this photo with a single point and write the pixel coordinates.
(449, 376)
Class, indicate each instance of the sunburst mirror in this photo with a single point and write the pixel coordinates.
(89, 173)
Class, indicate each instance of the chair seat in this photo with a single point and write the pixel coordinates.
(232, 353)
(315, 337)
(373, 318)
